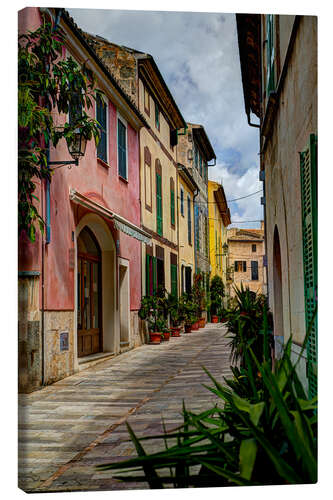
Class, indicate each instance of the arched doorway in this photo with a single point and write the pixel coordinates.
(102, 247)
(277, 287)
(89, 293)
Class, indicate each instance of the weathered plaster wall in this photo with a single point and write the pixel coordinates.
(295, 120)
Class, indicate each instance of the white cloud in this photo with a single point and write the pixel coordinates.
(197, 54)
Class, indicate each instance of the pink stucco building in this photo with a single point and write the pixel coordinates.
(80, 283)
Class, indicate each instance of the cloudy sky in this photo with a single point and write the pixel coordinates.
(197, 54)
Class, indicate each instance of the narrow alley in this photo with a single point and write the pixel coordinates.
(68, 428)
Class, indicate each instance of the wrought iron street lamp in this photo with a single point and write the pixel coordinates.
(225, 248)
(76, 148)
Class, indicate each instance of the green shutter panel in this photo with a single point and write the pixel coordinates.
(101, 118)
(122, 150)
(308, 161)
(154, 274)
(173, 272)
(159, 204)
(172, 207)
(148, 274)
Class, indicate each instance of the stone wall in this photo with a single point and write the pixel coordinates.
(29, 335)
(58, 364)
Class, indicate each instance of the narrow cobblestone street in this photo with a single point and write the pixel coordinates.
(68, 428)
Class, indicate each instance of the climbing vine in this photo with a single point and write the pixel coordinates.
(48, 86)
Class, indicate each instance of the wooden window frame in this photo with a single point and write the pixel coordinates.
(146, 94)
(158, 171)
(172, 204)
(252, 270)
(124, 122)
(106, 102)
(254, 248)
(147, 161)
(157, 116)
(189, 221)
(182, 193)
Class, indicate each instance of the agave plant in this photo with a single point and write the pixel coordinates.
(262, 431)
(245, 324)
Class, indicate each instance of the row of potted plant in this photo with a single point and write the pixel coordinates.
(184, 314)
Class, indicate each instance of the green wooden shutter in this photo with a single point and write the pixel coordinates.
(122, 150)
(172, 207)
(159, 204)
(270, 54)
(174, 287)
(308, 164)
(102, 120)
(148, 257)
(154, 274)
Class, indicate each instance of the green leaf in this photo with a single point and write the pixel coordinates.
(247, 457)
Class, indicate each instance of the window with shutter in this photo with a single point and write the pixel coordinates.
(189, 221)
(122, 149)
(101, 116)
(182, 201)
(308, 166)
(172, 203)
(157, 116)
(74, 110)
(270, 53)
(254, 270)
(173, 273)
(159, 218)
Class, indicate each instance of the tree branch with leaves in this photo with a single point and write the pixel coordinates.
(47, 85)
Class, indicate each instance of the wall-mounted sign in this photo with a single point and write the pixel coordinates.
(64, 341)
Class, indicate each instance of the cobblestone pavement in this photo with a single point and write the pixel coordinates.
(68, 428)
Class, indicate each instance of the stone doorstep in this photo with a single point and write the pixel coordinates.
(92, 360)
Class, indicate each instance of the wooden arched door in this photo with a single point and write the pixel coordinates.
(89, 314)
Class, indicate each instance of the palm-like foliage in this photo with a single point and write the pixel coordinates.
(245, 324)
(264, 432)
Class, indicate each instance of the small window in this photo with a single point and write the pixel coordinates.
(74, 110)
(254, 270)
(101, 116)
(189, 221)
(157, 116)
(182, 201)
(122, 149)
(172, 203)
(146, 101)
(254, 248)
(240, 266)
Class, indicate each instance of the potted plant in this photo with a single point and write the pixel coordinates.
(187, 309)
(176, 316)
(152, 311)
(199, 299)
(216, 296)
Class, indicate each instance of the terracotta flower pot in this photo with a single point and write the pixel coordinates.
(195, 326)
(155, 337)
(175, 331)
(202, 322)
(166, 336)
(187, 328)
(215, 319)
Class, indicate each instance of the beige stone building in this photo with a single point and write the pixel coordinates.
(187, 188)
(246, 251)
(196, 154)
(278, 56)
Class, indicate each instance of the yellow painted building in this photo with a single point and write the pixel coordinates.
(187, 188)
(219, 219)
